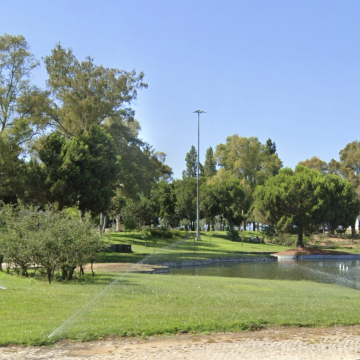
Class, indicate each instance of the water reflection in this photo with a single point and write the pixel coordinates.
(319, 271)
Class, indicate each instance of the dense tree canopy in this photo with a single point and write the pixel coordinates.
(76, 144)
(305, 198)
(84, 94)
(248, 159)
(80, 171)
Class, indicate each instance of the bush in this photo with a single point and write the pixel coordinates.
(47, 238)
(233, 234)
(163, 233)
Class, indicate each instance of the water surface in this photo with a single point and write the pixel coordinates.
(320, 271)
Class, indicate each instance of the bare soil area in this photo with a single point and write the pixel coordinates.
(276, 343)
(125, 267)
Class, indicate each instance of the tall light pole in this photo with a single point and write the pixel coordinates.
(198, 155)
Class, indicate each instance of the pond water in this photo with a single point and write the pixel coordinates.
(320, 271)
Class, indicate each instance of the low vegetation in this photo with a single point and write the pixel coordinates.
(215, 244)
(139, 304)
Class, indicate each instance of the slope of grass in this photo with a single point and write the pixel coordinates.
(176, 249)
(141, 304)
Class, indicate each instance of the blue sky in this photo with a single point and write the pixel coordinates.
(288, 70)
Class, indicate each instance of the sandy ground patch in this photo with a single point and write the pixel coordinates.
(276, 343)
(126, 267)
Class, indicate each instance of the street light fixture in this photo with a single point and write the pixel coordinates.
(198, 155)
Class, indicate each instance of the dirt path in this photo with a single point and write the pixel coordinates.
(281, 344)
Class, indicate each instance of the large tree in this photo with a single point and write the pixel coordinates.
(303, 199)
(227, 198)
(249, 160)
(21, 117)
(84, 94)
(341, 204)
(185, 191)
(80, 171)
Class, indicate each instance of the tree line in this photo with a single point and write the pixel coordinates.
(76, 143)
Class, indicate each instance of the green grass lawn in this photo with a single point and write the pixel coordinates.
(177, 249)
(140, 304)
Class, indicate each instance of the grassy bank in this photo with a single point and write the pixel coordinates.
(178, 249)
(139, 304)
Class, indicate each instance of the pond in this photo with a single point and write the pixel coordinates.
(327, 271)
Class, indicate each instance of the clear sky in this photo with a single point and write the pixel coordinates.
(288, 70)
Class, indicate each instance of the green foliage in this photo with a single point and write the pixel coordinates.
(270, 146)
(145, 233)
(185, 191)
(20, 120)
(191, 163)
(48, 239)
(130, 216)
(248, 159)
(341, 204)
(210, 164)
(316, 164)
(80, 171)
(162, 233)
(164, 201)
(84, 94)
(229, 194)
(303, 199)
(233, 234)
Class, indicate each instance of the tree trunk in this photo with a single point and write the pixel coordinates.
(254, 226)
(300, 238)
(101, 220)
(92, 267)
(64, 273)
(71, 273)
(49, 274)
(353, 230)
(244, 225)
(118, 223)
(231, 224)
(105, 222)
(1, 261)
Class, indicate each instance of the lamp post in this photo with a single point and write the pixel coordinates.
(198, 155)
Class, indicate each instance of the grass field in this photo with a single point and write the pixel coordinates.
(177, 249)
(139, 304)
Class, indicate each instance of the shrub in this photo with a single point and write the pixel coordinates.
(47, 238)
(166, 234)
(233, 234)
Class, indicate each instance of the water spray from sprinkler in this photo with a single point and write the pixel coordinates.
(68, 321)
